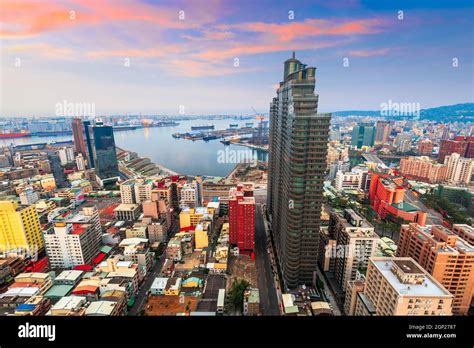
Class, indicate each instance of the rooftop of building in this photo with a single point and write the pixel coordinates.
(59, 291)
(409, 208)
(101, 308)
(43, 276)
(69, 302)
(127, 207)
(426, 233)
(428, 287)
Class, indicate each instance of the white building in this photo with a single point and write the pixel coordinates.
(136, 191)
(347, 181)
(188, 196)
(459, 169)
(69, 245)
(356, 242)
(143, 190)
(66, 155)
(28, 196)
(127, 192)
(80, 162)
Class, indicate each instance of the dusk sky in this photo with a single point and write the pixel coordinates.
(187, 58)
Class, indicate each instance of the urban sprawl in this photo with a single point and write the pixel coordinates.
(351, 215)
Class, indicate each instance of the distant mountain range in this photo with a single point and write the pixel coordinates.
(458, 112)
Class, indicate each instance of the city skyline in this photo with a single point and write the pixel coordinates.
(215, 55)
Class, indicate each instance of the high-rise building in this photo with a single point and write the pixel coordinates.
(459, 169)
(446, 256)
(103, 151)
(363, 135)
(398, 286)
(20, 228)
(382, 132)
(242, 217)
(127, 192)
(355, 242)
(80, 162)
(88, 136)
(78, 132)
(66, 155)
(423, 168)
(189, 195)
(69, 245)
(465, 232)
(462, 145)
(297, 165)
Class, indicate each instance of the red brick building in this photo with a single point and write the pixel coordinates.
(242, 217)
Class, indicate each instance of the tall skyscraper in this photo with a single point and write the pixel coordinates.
(382, 131)
(90, 153)
(103, 151)
(20, 228)
(78, 133)
(297, 164)
(363, 135)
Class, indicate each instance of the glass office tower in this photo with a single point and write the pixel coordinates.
(103, 150)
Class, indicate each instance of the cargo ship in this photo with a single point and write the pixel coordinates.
(124, 128)
(7, 135)
(203, 127)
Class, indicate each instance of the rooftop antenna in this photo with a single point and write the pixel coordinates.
(294, 54)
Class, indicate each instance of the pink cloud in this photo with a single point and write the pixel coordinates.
(29, 18)
(313, 27)
(369, 53)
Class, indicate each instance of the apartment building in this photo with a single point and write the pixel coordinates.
(444, 255)
(355, 243)
(459, 169)
(423, 169)
(20, 229)
(400, 286)
(69, 245)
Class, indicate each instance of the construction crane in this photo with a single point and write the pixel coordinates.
(257, 115)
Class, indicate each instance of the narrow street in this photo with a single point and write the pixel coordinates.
(142, 296)
(266, 284)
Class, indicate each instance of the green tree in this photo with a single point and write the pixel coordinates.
(236, 293)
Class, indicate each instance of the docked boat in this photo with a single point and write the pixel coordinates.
(203, 127)
(209, 137)
(10, 135)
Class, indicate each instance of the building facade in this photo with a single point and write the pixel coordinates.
(242, 219)
(297, 164)
(446, 256)
(459, 169)
(363, 135)
(400, 286)
(69, 245)
(20, 228)
(103, 151)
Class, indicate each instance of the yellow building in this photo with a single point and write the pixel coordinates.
(190, 217)
(201, 237)
(48, 183)
(19, 228)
